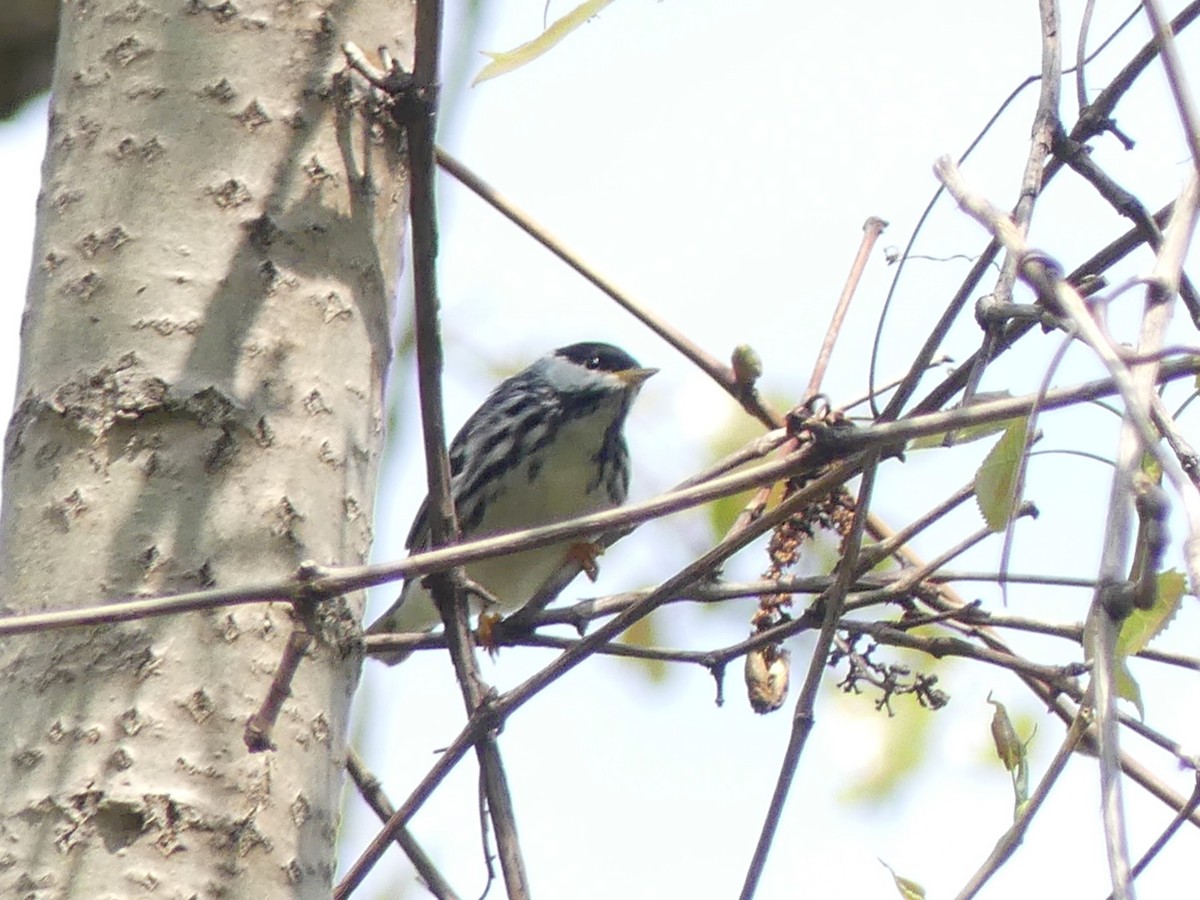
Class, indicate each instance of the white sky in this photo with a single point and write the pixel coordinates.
(718, 160)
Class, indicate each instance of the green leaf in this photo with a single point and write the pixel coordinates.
(960, 435)
(908, 889)
(969, 433)
(996, 480)
(1013, 752)
(504, 62)
(1143, 625)
(1128, 688)
(1008, 745)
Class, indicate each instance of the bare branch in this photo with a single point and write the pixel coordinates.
(1167, 833)
(1045, 278)
(371, 791)
(803, 720)
(939, 646)
(329, 582)
(872, 229)
(1045, 126)
(1171, 61)
(448, 592)
(494, 711)
(703, 360)
(1012, 838)
(1107, 614)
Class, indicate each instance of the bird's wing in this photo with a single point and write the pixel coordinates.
(418, 535)
(519, 399)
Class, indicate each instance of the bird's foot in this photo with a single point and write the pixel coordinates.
(585, 554)
(488, 632)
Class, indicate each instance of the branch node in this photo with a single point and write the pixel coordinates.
(1117, 599)
(717, 671)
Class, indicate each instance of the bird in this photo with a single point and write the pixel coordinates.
(546, 445)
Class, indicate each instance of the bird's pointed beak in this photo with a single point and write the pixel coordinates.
(635, 377)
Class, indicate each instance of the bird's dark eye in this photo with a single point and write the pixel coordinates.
(593, 356)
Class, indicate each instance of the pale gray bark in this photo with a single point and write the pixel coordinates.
(199, 403)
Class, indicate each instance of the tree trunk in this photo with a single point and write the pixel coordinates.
(199, 405)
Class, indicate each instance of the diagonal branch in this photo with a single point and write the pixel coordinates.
(493, 713)
(446, 589)
(1045, 126)
(313, 580)
(802, 720)
(1182, 93)
(1045, 278)
(1011, 839)
(705, 361)
(372, 793)
(1106, 614)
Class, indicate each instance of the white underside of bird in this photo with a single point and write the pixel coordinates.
(567, 487)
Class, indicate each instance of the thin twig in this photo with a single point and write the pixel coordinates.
(1180, 90)
(937, 335)
(334, 581)
(847, 405)
(1012, 838)
(1042, 274)
(939, 646)
(1097, 118)
(1081, 54)
(1092, 121)
(1054, 700)
(872, 229)
(493, 712)
(803, 720)
(1045, 126)
(1097, 121)
(1114, 561)
(372, 793)
(1167, 833)
(892, 542)
(1146, 228)
(706, 362)
(261, 724)
(1189, 459)
(992, 411)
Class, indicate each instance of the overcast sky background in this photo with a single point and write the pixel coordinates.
(718, 161)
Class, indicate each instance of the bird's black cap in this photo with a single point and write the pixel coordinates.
(599, 356)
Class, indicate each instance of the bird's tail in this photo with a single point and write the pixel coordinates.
(391, 622)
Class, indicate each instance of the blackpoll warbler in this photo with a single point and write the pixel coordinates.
(546, 445)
